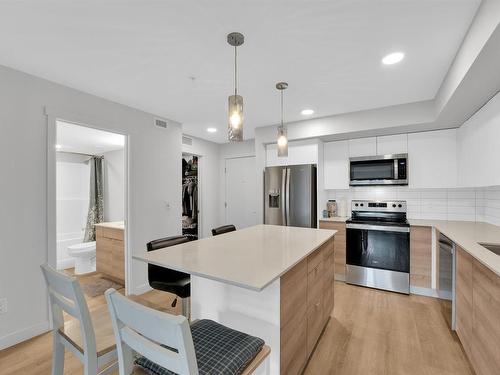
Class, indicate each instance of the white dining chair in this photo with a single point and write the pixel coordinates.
(143, 330)
(166, 345)
(77, 334)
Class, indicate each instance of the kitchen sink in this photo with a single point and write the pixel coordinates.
(493, 247)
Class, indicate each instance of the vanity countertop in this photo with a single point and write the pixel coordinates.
(112, 224)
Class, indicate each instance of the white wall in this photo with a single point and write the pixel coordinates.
(114, 185)
(209, 184)
(154, 175)
(72, 201)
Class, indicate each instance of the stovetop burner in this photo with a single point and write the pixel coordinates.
(378, 213)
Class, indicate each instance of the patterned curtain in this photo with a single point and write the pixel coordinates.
(96, 204)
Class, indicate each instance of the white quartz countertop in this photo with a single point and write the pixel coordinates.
(340, 219)
(251, 258)
(467, 234)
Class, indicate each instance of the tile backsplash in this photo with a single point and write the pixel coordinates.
(475, 204)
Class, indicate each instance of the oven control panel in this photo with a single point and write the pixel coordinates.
(378, 206)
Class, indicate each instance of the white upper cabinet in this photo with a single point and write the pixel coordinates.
(432, 159)
(392, 144)
(479, 147)
(298, 153)
(272, 158)
(362, 147)
(336, 165)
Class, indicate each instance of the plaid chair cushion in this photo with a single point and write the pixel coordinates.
(219, 350)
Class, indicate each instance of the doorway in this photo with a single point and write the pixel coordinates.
(90, 206)
(241, 192)
(190, 197)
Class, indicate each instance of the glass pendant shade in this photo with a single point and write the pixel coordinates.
(235, 126)
(282, 142)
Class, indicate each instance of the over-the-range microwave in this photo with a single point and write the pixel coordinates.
(379, 170)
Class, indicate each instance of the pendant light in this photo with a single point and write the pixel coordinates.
(235, 125)
(282, 136)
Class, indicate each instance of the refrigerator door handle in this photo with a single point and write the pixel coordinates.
(283, 196)
(288, 173)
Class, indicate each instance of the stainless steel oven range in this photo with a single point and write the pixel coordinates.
(378, 246)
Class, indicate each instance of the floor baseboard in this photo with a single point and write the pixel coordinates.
(24, 334)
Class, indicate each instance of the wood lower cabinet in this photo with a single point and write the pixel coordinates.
(307, 300)
(485, 345)
(478, 313)
(463, 297)
(340, 246)
(110, 253)
(421, 257)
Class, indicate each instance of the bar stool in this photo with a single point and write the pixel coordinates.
(167, 280)
(223, 229)
(168, 344)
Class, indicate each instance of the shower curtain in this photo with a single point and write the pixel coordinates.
(96, 204)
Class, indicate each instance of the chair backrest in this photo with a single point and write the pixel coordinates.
(223, 229)
(147, 331)
(166, 242)
(157, 273)
(66, 295)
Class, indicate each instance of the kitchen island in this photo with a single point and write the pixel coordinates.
(270, 281)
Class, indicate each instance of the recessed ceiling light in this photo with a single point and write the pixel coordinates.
(393, 58)
(58, 147)
(212, 130)
(307, 112)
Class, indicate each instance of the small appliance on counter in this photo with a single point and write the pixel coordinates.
(378, 245)
(331, 208)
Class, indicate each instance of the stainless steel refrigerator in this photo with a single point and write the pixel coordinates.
(290, 196)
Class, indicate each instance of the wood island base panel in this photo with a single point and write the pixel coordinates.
(289, 314)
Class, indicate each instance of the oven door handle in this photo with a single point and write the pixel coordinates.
(385, 228)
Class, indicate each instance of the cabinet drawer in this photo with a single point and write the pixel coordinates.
(315, 324)
(327, 249)
(314, 259)
(294, 345)
(315, 286)
(294, 293)
(113, 233)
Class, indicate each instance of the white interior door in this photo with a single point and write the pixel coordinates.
(241, 192)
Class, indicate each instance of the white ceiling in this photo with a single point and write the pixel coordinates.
(143, 53)
(81, 139)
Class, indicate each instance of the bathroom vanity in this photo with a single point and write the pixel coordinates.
(110, 250)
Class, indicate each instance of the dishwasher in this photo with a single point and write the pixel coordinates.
(446, 279)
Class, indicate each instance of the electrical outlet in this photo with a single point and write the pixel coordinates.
(3, 306)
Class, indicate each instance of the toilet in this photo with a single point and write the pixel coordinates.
(84, 254)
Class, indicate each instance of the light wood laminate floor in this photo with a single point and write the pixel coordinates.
(371, 332)
(382, 333)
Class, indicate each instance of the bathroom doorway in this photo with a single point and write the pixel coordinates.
(90, 206)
